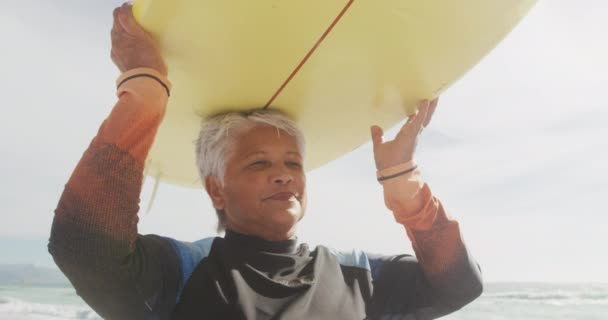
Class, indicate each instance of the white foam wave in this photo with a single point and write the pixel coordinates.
(557, 297)
(42, 311)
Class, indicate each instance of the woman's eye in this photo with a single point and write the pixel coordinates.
(294, 164)
(260, 163)
(266, 163)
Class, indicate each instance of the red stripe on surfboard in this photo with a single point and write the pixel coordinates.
(309, 54)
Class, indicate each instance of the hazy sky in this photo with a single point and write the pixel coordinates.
(517, 150)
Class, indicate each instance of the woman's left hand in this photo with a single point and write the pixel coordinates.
(402, 148)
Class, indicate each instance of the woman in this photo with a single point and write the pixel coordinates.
(251, 163)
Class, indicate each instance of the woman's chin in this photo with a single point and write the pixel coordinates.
(285, 220)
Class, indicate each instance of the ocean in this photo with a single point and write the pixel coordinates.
(500, 301)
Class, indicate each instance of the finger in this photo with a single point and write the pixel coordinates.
(116, 33)
(377, 136)
(418, 121)
(116, 26)
(115, 21)
(430, 112)
(409, 125)
(412, 116)
(421, 109)
(115, 13)
(127, 21)
(416, 113)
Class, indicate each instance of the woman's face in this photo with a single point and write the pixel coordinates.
(264, 184)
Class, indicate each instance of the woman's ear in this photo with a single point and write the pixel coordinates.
(215, 192)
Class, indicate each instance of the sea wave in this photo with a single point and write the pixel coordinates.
(554, 298)
(13, 306)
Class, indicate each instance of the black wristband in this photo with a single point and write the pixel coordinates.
(380, 179)
(147, 76)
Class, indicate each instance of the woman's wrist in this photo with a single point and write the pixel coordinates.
(405, 169)
(145, 72)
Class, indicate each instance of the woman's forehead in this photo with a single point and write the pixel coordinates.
(265, 135)
(265, 140)
(261, 153)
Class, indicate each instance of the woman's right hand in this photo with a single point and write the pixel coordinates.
(132, 47)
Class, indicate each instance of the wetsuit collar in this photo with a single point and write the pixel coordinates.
(254, 243)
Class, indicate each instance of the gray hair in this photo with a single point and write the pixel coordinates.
(218, 135)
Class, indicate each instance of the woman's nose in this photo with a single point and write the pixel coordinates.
(282, 178)
(282, 175)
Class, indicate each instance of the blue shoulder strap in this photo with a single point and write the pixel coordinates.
(190, 255)
(352, 258)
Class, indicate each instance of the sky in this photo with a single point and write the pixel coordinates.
(517, 150)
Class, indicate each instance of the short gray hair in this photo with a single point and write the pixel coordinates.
(219, 132)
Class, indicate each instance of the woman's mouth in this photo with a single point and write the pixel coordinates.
(282, 196)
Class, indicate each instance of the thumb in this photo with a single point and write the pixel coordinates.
(377, 135)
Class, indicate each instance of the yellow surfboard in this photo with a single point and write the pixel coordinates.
(336, 66)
